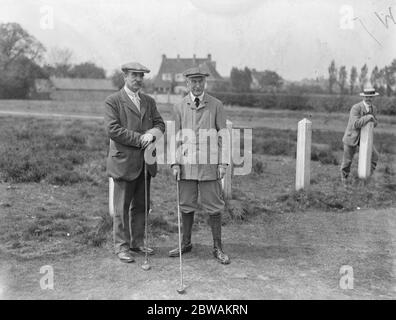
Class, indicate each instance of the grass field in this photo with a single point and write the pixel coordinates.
(241, 116)
(54, 189)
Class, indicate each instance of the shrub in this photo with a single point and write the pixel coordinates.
(258, 166)
(42, 149)
(301, 101)
(323, 153)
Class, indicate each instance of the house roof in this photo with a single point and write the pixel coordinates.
(82, 84)
(179, 65)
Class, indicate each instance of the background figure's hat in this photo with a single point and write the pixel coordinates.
(195, 72)
(134, 67)
(369, 92)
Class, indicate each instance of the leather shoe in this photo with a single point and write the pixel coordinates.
(125, 256)
(143, 250)
(221, 256)
(185, 248)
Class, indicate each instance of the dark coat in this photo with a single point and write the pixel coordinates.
(124, 126)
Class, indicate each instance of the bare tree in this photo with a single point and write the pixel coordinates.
(59, 61)
(59, 56)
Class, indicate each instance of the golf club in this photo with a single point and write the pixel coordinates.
(146, 265)
(181, 289)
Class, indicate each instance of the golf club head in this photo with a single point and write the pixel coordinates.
(181, 290)
(146, 266)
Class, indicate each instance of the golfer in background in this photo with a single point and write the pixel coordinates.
(360, 114)
(132, 122)
(198, 110)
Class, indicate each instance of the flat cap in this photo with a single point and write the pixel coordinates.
(195, 72)
(134, 67)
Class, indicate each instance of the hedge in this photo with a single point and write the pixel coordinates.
(316, 102)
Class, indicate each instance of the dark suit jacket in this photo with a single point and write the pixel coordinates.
(124, 126)
(358, 117)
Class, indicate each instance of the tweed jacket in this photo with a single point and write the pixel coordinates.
(124, 125)
(191, 149)
(358, 117)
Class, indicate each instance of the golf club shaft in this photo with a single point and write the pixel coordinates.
(145, 210)
(179, 227)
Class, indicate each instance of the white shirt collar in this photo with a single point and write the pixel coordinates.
(131, 93)
(199, 97)
(367, 106)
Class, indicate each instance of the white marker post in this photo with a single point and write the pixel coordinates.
(365, 150)
(226, 182)
(303, 160)
(111, 197)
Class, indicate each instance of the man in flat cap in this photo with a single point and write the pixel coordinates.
(196, 112)
(132, 122)
(360, 114)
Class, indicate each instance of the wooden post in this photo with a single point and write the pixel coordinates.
(303, 159)
(226, 182)
(365, 150)
(111, 197)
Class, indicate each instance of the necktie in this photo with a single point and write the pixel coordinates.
(136, 100)
(371, 109)
(196, 100)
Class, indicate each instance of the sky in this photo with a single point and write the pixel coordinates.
(296, 38)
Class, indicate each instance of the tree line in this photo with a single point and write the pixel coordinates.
(245, 80)
(23, 59)
(383, 80)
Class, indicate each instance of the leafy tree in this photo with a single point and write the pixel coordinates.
(118, 79)
(248, 76)
(363, 77)
(20, 55)
(16, 43)
(332, 76)
(240, 79)
(352, 79)
(375, 78)
(342, 77)
(271, 78)
(87, 70)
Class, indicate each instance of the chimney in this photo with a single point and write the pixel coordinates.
(194, 59)
(178, 57)
(209, 57)
(163, 57)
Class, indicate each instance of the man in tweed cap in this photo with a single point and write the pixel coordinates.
(198, 110)
(132, 122)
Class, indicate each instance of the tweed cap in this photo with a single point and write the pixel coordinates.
(195, 72)
(134, 67)
(369, 92)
